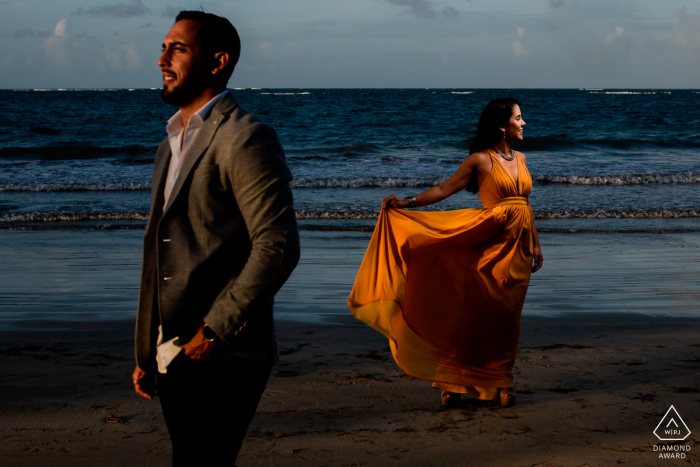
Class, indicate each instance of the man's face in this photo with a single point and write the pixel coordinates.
(183, 64)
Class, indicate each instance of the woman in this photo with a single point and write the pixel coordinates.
(447, 288)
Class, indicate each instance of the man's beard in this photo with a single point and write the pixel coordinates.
(191, 87)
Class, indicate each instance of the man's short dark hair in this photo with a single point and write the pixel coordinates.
(218, 35)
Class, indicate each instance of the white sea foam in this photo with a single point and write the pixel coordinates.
(462, 92)
(630, 92)
(307, 182)
(641, 179)
(567, 214)
(302, 214)
(58, 187)
(73, 217)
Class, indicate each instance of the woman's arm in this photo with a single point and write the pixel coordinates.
(452, 185)
(537, 257)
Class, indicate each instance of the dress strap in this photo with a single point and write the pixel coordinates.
(505, 202)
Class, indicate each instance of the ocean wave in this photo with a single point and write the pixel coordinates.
(139, 218)
(76, 89)
(462, 92)
(45, 217)
(55, 153)
(347, 150)
(628, 92)
(286, 93)
(541, 215)
(308, 182)
(64, 187)
(618, 214)
(324, 214)
(370, 228)
(554, 143)
(630, 179)
(368, 182)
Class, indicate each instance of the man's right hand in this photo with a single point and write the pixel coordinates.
(144, 383)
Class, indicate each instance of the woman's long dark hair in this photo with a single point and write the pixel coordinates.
(495, 115)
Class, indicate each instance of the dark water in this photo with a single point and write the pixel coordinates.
(83, 159)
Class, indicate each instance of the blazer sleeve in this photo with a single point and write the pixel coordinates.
(259, 178)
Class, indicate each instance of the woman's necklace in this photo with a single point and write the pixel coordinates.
(512, 155)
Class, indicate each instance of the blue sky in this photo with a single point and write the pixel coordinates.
(365, 43)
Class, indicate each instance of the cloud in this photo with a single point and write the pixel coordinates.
(519, 49)
(425, 8)
(26, 32)
(172, 11)
(119, 10)
(556, 3)
(686, 30)
(450, 12)
(60, 29)
(619, 34)
(125, 57)
(68, 51)
(420, 8)
(56, 47)
(147, 25)
(680, 43)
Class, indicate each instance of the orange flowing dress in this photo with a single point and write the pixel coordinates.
(447, 288)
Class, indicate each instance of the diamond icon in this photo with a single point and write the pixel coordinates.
(672, 427)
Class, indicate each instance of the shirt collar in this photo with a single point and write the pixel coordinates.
(175, 122)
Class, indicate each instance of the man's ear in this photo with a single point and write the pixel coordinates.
(220, 62)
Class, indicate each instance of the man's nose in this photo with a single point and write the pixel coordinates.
(163, 60)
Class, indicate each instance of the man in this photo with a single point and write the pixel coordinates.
(220, 242)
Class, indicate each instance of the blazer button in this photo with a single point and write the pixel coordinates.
(235, 333)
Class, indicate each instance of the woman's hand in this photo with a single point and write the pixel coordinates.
(537, 258)
(392, 201)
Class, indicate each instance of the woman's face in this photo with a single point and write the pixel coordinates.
(514, 131)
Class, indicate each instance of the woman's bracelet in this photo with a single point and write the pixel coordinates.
(412, 201)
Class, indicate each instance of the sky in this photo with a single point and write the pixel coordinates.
(365, 43)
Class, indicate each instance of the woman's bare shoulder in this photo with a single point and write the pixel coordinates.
(522, 156)
(479, 157)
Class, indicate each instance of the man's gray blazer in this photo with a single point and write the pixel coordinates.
(224, 244)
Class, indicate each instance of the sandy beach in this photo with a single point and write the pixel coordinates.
(591, 390)
(610, 340)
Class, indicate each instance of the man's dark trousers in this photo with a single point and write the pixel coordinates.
(208, 405)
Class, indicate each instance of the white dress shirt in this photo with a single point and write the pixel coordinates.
(179, 147)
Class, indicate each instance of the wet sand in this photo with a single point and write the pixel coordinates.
(591, 390)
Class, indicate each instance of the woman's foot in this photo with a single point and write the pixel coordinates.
(450, 399)
(507, 397)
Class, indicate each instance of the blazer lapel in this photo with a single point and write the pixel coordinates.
(160, 173)
(225, 105)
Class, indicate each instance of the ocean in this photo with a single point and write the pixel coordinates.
(603, 162)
